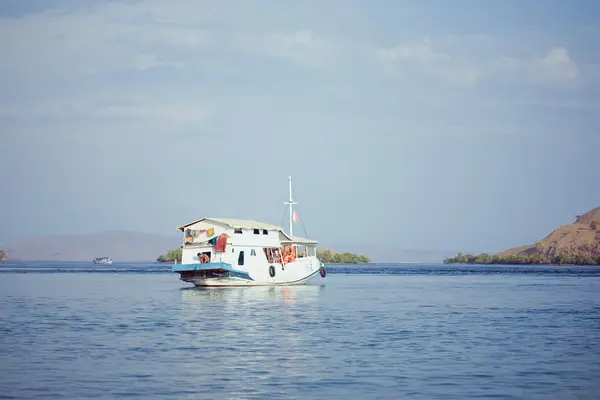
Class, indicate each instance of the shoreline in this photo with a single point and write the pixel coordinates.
(525, 264)
(562, 259)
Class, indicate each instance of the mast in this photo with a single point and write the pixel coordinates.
(291, 203)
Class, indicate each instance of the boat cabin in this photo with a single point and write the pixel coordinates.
(212, 239)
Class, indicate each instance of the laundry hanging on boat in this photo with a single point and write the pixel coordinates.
(221, 243)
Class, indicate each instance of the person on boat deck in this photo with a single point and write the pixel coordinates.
(289, 255)
(204, 259)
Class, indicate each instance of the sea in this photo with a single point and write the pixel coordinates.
(75, 330)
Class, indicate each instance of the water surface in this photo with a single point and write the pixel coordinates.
(77, 330)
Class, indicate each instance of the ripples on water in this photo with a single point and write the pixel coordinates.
(76, 330)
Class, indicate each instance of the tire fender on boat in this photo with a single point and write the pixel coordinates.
(322, 272)
(272, 271)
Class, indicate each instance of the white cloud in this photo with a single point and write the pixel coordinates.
(469, 65)
(58, 44)
(152, 109)
(557, 64)
(118, 36)
(87, 50)
(300, 46)
(423, 56)
(55, 63)
(555, 67)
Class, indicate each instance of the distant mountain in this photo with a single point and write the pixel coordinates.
(576, 243)
(119, 245)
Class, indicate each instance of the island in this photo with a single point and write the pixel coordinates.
(577, 243)
(325, 255)
(329, 256)
(171, 256)
(2, 255)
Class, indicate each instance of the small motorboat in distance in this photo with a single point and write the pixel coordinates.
(102, 260)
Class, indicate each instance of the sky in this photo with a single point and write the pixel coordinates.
(463, 125)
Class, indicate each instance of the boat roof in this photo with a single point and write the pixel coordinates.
(298, 240)
(236, 223)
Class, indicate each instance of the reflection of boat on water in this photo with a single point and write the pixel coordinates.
(305, 293)
(232, 252)
(246, 328)
(102, 260)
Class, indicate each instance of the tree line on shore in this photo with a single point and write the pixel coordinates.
(525, 259)
(171, 256)
(2, 255)
(330, 257)
(325, 255)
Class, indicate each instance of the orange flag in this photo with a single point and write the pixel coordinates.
(296, 218)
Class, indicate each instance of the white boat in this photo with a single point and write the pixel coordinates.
(235, 252)
(102, 260)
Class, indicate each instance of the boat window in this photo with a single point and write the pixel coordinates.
(272, 255)
(301, 251)
(265, 232)
(237, 230)
(257, 231)
(252, 252)
(241, 258)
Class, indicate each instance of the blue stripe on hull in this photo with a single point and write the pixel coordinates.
(200, 267)
(234, 273)
(240, 274)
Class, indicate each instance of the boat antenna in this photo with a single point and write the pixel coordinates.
(291, 203)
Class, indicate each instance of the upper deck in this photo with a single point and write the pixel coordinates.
(204, 231)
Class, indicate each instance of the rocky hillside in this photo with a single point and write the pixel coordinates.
(576, 243)
(579, 239)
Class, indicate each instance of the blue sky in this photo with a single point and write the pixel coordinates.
(464, 125)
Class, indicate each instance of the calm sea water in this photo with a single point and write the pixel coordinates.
(77, 330)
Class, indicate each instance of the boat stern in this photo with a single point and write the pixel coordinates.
(197, 273)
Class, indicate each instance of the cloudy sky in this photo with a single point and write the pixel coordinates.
(463, 125)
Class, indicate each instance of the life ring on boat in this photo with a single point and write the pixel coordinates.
(322, 272)
(272, 271)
